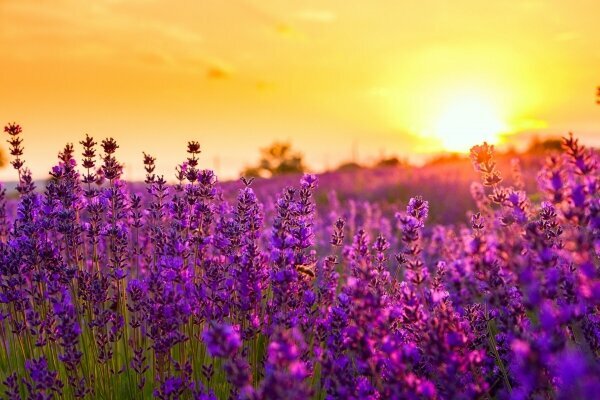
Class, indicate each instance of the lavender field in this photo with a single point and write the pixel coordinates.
(382, 284)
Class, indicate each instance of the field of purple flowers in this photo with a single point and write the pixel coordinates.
(199, 290)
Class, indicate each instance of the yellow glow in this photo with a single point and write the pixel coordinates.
(466, 121)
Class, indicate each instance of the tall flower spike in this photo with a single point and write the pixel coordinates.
(149, 167)
(89, 162)
(582, 160)
(482, 157)
(15, 145)
(337, 237)
(111, 168)
(193, 149)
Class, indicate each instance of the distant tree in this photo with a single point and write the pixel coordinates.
(447, 158)
(542, 146)
(390, 162)
(348, 166)
(277, 159)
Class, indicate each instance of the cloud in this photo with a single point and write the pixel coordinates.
(215, 72)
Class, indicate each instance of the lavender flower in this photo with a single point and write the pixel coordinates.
(222, 340)
(210, 290)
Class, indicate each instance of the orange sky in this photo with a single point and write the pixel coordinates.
(331, 76)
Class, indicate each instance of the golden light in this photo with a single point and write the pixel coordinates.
(466, 121)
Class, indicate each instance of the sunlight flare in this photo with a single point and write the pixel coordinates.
(468, 120)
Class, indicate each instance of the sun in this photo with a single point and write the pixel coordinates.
(468, 120)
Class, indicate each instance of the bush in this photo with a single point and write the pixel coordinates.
(277, 159)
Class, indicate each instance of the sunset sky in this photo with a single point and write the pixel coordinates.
(335, 78)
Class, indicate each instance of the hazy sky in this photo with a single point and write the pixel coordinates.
(380, 76)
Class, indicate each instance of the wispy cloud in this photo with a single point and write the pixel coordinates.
(102, 30)
(216, 72)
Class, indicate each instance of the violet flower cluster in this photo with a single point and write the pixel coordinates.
(114, 290)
